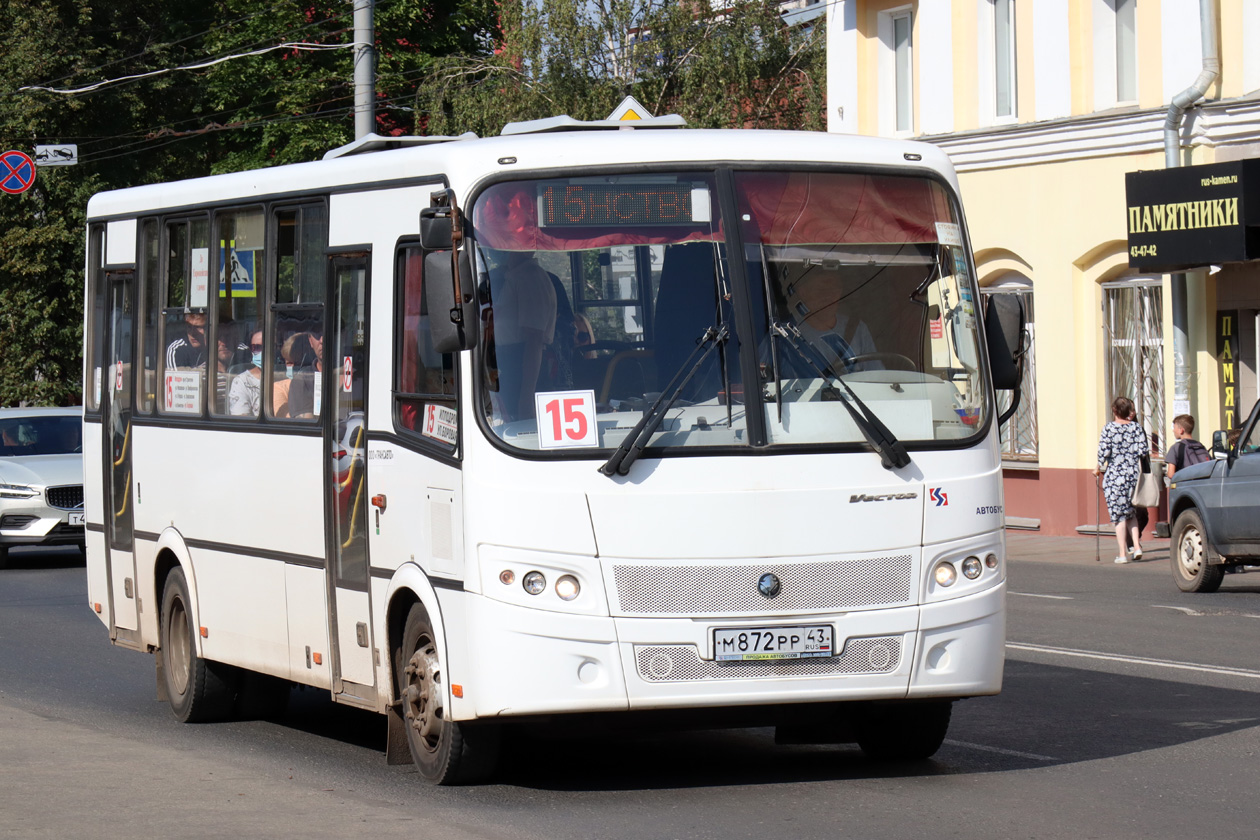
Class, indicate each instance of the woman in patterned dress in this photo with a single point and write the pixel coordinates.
(1120, 450)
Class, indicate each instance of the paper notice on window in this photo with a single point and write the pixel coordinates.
(948, 233)
(440, 423)
(181, 392)
(199, 293)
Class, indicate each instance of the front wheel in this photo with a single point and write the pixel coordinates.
(1190, 567)
(445, 752)
(198, 690)
(903, 731)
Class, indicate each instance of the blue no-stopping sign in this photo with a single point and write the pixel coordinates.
(17, 172)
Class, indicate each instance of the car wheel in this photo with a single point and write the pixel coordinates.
(1190, 566)
(445, 752)
(903, 732)
(198, 690)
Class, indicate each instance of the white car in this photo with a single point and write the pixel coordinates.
(41, 477)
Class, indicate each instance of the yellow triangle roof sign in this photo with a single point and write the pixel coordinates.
(630, 109)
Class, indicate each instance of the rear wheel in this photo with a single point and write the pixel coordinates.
(903, 732)
(445, 752)
(1190, 562)
(197, 689)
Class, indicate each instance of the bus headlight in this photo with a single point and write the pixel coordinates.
(567, 587)
(991, 561)
(534, 583)
(944, 573)
(971, 568)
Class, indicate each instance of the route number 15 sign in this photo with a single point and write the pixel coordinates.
(566, 419)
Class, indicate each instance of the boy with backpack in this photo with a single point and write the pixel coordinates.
(1186, 450)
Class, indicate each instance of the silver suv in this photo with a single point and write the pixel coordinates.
(41, 478)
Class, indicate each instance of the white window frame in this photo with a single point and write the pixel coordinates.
(1107, 56)
(889, 100)
(1133, 354)
(987, 37)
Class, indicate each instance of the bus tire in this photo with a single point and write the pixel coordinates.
(445, 752)
(1190, 555)
(903, 732)
(197, 689)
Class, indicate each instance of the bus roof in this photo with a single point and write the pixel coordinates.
(466, 160)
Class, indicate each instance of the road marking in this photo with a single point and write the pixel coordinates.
(1015, 753)
(1185, 610)
(1035, 595)
(1137, 660)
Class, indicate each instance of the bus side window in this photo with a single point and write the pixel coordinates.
(425, 386)
(295, 320)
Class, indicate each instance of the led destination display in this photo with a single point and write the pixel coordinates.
(567, 204)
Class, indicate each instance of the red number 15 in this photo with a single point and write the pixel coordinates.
(573, 425)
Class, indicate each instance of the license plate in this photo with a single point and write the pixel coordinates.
(76, 519)
(772, 642)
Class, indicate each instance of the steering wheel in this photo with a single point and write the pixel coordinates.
(896, 359)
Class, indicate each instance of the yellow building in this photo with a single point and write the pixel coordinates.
(1044, 106)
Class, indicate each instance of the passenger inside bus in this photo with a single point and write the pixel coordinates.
(246, 390)
(188, 349)
(523, 301)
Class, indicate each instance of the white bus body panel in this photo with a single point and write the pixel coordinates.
(94, 508)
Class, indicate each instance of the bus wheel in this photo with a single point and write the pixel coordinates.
(1191, 569)
(197, 689)
(445, 752)
(903, 732)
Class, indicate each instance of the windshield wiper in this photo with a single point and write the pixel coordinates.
(892, 452)
(642, 432)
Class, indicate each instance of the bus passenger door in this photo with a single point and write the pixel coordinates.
(116, 395)
(345, 356)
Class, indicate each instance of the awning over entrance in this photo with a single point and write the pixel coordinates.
(1194, 216)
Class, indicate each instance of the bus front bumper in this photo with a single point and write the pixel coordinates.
(533, 662)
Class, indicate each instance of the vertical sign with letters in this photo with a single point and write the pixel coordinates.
(1227, 364)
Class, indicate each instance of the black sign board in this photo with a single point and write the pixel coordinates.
(1193, 216)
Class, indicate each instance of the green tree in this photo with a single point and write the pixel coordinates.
(280, 106)
(733, 65)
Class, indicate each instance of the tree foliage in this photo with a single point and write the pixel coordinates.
(719, 65)
(278, 107)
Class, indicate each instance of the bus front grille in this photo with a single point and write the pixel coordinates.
(703, 591)
(679, 663)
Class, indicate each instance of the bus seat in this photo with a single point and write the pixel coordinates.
(685, 306)
(630, 375)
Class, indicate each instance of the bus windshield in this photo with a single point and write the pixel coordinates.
(854, 289)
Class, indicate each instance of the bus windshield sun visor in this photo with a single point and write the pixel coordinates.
(892, 452)
(637, 439)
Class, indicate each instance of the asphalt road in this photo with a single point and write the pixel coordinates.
(1129, 710)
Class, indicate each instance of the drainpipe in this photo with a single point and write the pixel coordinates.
(1183, 368)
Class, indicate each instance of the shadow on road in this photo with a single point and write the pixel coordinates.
(44, 557)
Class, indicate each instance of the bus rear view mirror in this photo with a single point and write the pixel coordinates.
(1004, 335)
(435, 228)
(452, 323)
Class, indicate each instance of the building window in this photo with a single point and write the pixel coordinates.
(1019, 433)
(896, 70)
(1133, 314)
(901, 53)
(1004, 58)
(1126, 50)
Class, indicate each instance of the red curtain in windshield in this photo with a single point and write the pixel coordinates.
(807, 208)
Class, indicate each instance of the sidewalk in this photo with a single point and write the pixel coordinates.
(1030, 545)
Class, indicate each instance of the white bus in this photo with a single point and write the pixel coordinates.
(472, 432)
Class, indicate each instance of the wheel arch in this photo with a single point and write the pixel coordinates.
(1190, 501)
(410, 586)
(172, 553)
